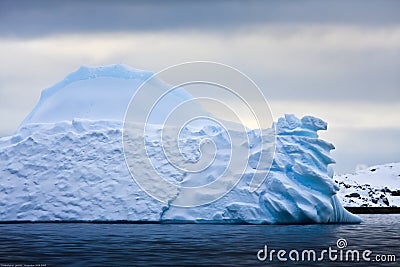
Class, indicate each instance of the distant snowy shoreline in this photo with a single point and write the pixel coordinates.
(376, 186)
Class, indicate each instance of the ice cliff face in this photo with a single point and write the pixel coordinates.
(298, 189)
(63, 165)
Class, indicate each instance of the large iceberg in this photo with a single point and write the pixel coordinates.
(67, 162)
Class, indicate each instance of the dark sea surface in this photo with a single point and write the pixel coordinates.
(87, 244)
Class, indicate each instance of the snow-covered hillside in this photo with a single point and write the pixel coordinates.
(376, 186)
(67, 162)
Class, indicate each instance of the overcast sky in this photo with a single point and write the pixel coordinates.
(336, 60)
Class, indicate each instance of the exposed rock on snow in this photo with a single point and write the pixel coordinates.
(376, 186)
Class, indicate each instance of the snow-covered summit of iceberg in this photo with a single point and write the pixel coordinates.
(95, 93)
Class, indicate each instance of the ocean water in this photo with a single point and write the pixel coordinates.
(87, 244)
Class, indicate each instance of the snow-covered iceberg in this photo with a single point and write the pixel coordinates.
(66, 162)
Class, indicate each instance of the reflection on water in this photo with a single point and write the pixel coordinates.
(186, 244)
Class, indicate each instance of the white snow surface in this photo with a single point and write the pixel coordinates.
(66, 162)
(375, 186)
(98, 93)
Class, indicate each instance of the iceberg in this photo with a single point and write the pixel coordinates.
(67, 162)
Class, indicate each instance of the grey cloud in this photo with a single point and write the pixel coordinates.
(24, 18)
(368, 83)
(364, 146)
